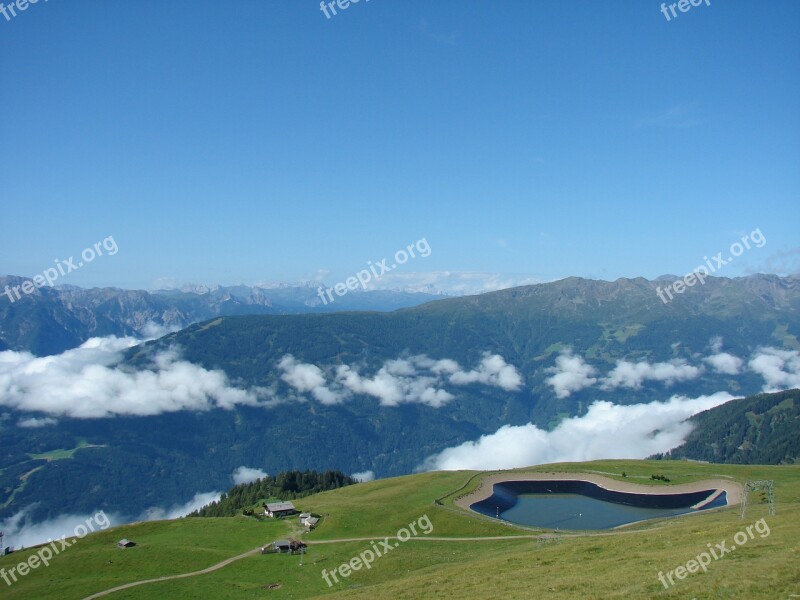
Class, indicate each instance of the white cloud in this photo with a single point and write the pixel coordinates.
(633, 375)
(305, 377)
(153, 330)
(396, 382)
(606, 431)
(493, 371)
(177, 511)
(725, 363)
(570, 374)
(364, 476)
(415, 379)
(20, 531)
(86, 383)
(453, 283)
(247, 475)
(779, 368)
(34, 423)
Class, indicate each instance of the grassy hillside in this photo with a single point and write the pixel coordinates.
(621, 564)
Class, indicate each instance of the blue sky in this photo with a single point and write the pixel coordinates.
(256, 140)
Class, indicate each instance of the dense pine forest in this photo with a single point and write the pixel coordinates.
(287, 485)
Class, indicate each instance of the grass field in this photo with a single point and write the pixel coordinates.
(618, 564)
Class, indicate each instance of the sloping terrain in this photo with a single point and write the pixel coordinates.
(763, 429)
(460, 555)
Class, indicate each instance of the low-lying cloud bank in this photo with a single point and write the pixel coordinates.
(416, 379)
(606, 431)
(20, 531)
(87, 382)
(571, 373)
(177, 511)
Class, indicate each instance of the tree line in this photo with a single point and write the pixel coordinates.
(287, 485)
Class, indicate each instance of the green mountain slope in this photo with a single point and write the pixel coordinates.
(495, 559)
(762, 429)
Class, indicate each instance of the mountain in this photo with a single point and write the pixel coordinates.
(54, 319)
(762, 429)
(369, 391)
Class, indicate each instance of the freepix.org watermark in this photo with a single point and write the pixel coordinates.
(703, 560)
(683, 6)
(375, 270)
(45, 554)
(378, 549)
(51, 275)
(700, 273)
(342, 4)
(13, 7)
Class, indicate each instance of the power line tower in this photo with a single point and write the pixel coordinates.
(764, 485)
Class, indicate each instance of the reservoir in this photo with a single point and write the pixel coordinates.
(580, 505)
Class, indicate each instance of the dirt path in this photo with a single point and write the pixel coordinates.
(496, 538)
(211, 569)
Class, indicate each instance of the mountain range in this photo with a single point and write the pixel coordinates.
(568, 370)
(54, 319)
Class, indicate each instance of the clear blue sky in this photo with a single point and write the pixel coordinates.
(256, 140)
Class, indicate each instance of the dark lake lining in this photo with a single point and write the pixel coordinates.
(569, 504)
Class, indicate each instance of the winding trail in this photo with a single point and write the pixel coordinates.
(210, 569)
(494, 538)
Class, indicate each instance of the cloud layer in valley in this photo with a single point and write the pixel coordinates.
(177, 511)
(88, 382)
(606, 431)
(20, 531)
(780, 370)
(415, 379)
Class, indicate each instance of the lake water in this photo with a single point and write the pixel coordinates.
(574, 511)
(576, 504)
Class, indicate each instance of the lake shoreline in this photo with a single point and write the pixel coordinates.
(732, 488)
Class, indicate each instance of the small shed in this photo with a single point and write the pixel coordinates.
(289, 546)
(310, 522)
(125, 543)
